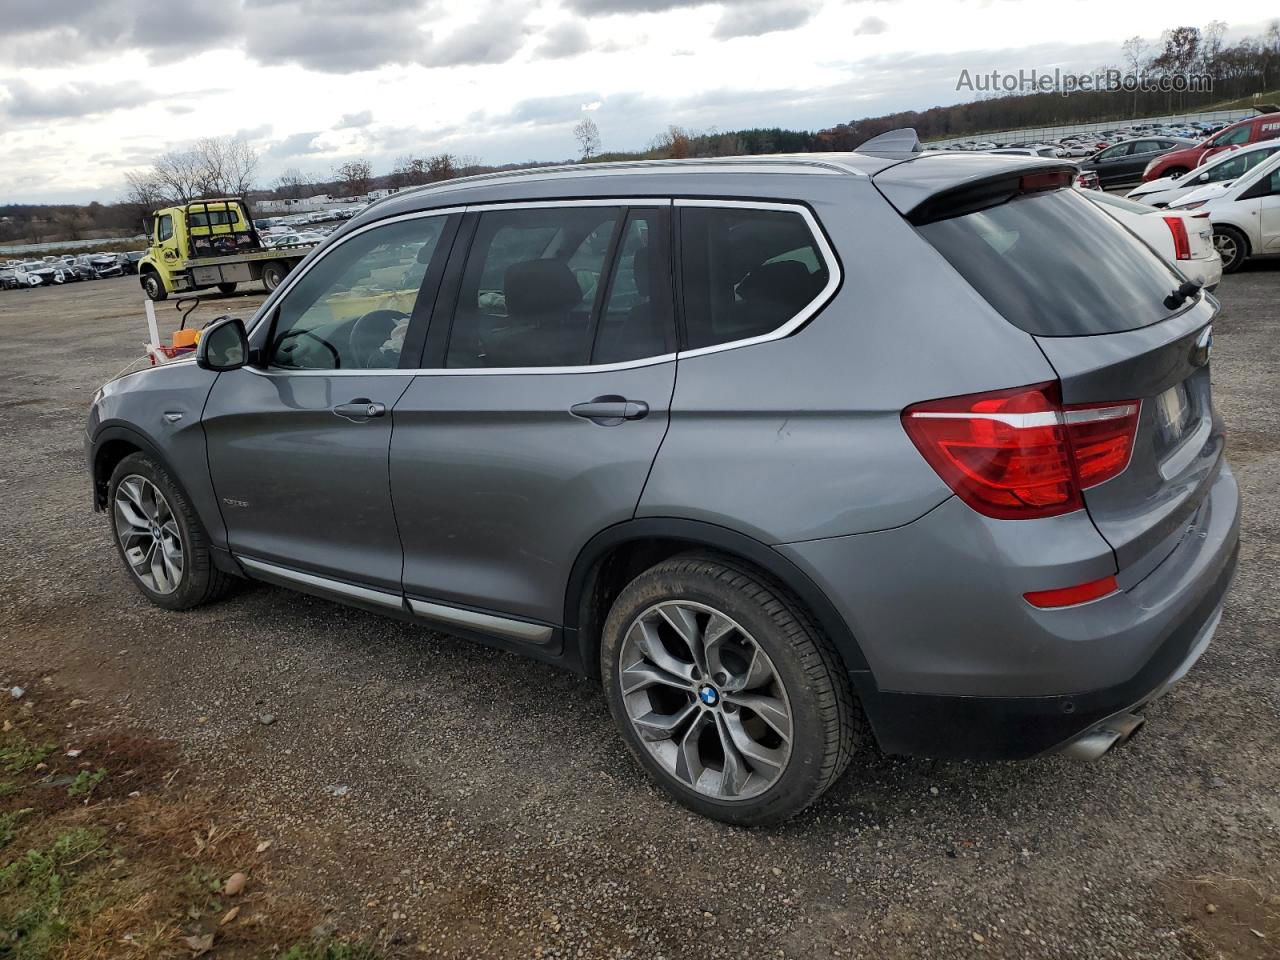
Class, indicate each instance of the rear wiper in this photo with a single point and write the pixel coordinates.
(1180, 296)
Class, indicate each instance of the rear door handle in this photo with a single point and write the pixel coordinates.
(360, 409)
(610, 410)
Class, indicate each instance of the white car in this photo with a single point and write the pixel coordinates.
(1218, 168)
(1245, 213)
(1184, 239)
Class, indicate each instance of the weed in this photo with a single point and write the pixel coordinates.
(20, 755)
(9, 825)
(85, 781)
(331, 950)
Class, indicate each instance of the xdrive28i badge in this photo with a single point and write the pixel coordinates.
(1203, 347)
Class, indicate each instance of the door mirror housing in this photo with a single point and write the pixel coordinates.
(223, 346)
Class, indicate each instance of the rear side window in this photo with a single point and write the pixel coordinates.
(1056, 266)
(529, 287)
(746, 272)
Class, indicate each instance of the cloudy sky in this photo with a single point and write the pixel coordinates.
(90, 89)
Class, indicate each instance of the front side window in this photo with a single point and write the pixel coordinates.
(529, 288)
(164, 229)
(1238, 135)
(746, 272)
(352, 309)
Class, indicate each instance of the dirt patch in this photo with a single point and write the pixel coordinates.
(107, 849)
(1228, 915)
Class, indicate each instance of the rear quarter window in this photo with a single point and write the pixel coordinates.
(1055, 265)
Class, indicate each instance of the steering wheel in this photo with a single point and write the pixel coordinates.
(369, 332)
(333, 351)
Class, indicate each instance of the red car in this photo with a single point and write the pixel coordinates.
(1251, 130)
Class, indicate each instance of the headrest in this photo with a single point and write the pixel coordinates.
(640, 270)
(536, 287)
(786, 280)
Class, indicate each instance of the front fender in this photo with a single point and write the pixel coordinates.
(158, 410)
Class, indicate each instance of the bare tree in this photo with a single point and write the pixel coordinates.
(588, 137)
(1135, 55)
(355, 175)
(290, 185)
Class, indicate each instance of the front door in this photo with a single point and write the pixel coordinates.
(1269, 214)
(298, 443)
(542, 415)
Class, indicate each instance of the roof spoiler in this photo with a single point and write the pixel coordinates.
(895, 145)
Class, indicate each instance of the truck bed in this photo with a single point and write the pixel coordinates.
(292, 251)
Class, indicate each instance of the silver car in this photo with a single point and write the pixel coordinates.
(791, 453)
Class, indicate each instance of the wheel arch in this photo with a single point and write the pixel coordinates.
(613, 557)
(111, 445)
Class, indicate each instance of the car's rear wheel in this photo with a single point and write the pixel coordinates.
(725, 690)
(159, 537)
(273, 275)
(1232, 246)
(153, 286)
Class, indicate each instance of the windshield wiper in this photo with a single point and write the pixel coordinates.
(1180, 296)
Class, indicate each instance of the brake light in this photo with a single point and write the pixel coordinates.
(1053, 180)
(1072, 596)
(1020, 454)
(1181, 242)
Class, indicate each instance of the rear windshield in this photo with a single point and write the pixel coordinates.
(1056, 266)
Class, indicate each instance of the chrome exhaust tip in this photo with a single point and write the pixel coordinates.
(1112, 732)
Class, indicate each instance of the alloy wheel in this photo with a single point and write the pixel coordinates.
(149, 534)
(705, 700)
(1227, 248)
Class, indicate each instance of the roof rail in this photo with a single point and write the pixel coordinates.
(894, 144)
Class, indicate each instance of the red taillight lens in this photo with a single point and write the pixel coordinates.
(1071, 596)
(1019, 454)
(1181, 242)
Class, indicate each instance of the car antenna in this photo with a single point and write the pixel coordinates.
(895, 144)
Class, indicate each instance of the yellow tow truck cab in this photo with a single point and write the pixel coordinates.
(211, 243)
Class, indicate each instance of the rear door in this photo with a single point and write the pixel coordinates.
(542, 411)
(1095, 300)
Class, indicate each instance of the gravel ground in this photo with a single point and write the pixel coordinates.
(462, 802)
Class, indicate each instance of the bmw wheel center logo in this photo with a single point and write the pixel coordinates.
(708, 695)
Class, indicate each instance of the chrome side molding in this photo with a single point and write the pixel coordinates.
(535, 633)
(336, 587)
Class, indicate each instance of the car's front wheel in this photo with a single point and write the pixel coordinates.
(153, 286)
(725, 690)
(159, 536)
(1232, 246)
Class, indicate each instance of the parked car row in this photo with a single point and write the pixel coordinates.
(67, 268)
(1146, 152)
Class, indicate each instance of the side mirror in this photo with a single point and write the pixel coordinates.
(1203, 178)
(223, 346)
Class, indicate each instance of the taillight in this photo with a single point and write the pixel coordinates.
(1181, 242)
(1020, 454)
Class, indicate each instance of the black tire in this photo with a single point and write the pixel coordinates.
(826, 723)
(273, 274)
(200, 582)
(226, 289)
(1176, 172)
(1232, 245)
(153, 286)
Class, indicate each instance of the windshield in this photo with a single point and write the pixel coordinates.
(1055, 265)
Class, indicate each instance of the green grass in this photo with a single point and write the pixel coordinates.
(33, 893)
(9, 825)
(19, 756)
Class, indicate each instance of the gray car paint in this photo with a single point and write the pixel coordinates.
(794, 442)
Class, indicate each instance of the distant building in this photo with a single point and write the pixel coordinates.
(321, 201)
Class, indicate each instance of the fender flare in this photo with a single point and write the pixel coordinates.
(697, 533)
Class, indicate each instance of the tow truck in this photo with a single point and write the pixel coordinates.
(211, 243)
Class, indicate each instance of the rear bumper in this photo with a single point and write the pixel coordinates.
(966, 669)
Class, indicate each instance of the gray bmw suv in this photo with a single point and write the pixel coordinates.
(789, 452)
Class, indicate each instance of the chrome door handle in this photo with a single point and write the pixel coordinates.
(610, 410)
(360, 409)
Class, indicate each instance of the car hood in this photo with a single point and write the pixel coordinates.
(1210, 191)
(1153, 186)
